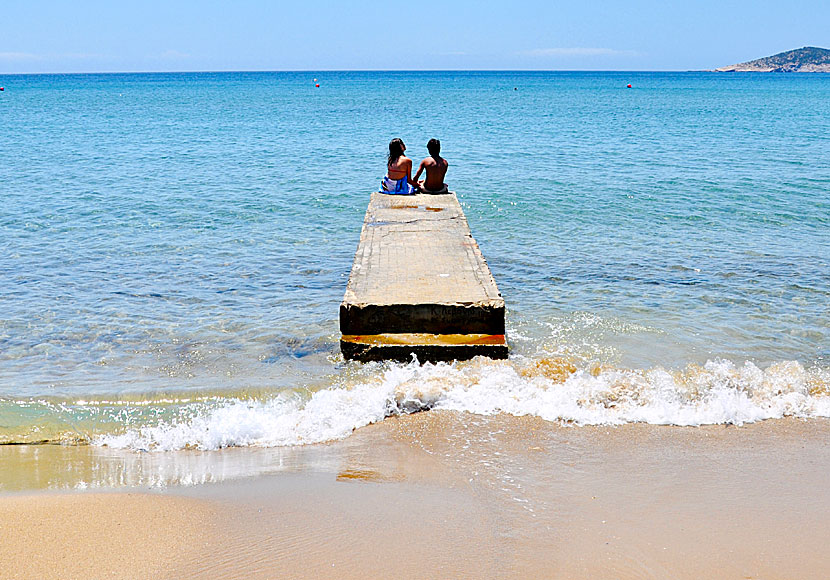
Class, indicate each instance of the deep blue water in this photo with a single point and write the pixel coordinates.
(193, 233)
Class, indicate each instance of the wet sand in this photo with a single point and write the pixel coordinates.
(437, 494)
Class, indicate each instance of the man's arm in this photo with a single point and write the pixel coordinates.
(418, 174)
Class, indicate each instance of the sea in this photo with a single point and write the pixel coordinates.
(174, 248)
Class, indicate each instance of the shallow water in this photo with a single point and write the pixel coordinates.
(173, 249)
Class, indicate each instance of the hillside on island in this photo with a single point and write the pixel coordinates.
(807, 59)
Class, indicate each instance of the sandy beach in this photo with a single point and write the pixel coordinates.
(439, 494)
(101, 535)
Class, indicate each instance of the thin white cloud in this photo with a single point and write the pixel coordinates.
(81, 55)
(577, 52)
(28, 56)
(18, 56)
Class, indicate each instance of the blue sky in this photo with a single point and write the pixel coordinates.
(88, 36)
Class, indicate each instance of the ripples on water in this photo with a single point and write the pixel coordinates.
(173, 244)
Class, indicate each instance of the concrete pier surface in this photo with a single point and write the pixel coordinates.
(419, 284)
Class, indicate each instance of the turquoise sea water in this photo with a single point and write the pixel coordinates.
(174, 247)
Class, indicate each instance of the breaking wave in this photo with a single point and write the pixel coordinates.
(718, 392)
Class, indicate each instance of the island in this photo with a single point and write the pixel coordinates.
(807, 59)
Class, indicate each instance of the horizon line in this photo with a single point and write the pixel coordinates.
(206, 71)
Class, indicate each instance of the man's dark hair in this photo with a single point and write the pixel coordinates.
(434, 147)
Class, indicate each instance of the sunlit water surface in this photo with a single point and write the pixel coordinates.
(173, 249)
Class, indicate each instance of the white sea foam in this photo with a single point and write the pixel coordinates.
(717, 392)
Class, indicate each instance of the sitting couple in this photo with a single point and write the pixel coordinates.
(399, 170)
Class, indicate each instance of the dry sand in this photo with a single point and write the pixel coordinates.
(444, 494)
(102, 535)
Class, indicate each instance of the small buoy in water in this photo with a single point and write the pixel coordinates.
(629, 86)
(315, 80)
(317, 85)
(515, 88)
(2, 88)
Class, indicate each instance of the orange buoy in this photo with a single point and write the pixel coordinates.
(317, 85)
(2, 88)
(629, 86)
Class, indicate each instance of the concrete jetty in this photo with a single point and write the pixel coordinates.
(419, 284)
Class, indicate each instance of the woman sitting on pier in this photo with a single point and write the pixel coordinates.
(398, 171)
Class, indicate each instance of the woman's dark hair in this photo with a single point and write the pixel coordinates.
(395, 150)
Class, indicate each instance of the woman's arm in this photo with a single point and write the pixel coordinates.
(408, 164)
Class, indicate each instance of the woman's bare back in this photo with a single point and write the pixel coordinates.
(401, 168)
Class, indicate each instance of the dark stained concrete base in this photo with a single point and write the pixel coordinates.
(457, 318)
(423, 352)
(418, 271)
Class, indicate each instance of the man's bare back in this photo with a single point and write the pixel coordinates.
(435, 166)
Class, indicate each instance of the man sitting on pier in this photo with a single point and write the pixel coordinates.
(436, 168)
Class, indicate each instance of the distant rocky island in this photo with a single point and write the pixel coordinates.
(807, 59)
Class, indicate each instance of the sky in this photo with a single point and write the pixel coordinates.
(190, 35)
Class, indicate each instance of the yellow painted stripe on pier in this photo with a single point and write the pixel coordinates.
(415, 338)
